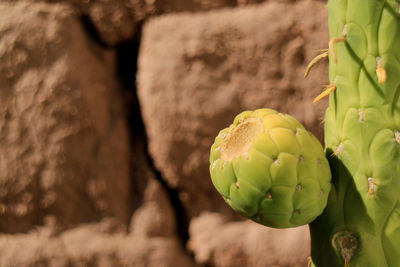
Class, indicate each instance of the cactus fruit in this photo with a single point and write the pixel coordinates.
(361, 223)
(270, 169)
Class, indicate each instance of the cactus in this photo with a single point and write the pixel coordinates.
(360, 225)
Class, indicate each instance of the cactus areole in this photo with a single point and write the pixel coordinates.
(269, 168)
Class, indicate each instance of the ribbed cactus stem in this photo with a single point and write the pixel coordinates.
(361, 223)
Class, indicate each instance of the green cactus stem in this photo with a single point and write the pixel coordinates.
(270, 169)
(361, 223)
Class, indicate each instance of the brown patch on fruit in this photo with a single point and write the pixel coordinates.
(239, 139)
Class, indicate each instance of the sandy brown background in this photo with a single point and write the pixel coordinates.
(107, 112)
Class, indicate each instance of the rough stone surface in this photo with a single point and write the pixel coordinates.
(234, 244)
(173, 6)
(197, 71)
(109, 21)
(101, 244)
(64, 148)
(150, 240)
(154, 216)
(116, 21)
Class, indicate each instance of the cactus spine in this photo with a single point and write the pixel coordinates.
(361, 223)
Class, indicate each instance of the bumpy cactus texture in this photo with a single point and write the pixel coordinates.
(361, 224)
(269, 168)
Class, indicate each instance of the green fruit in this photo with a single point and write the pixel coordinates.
(270, 169)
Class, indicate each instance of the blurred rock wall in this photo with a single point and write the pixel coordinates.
(108, 109)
